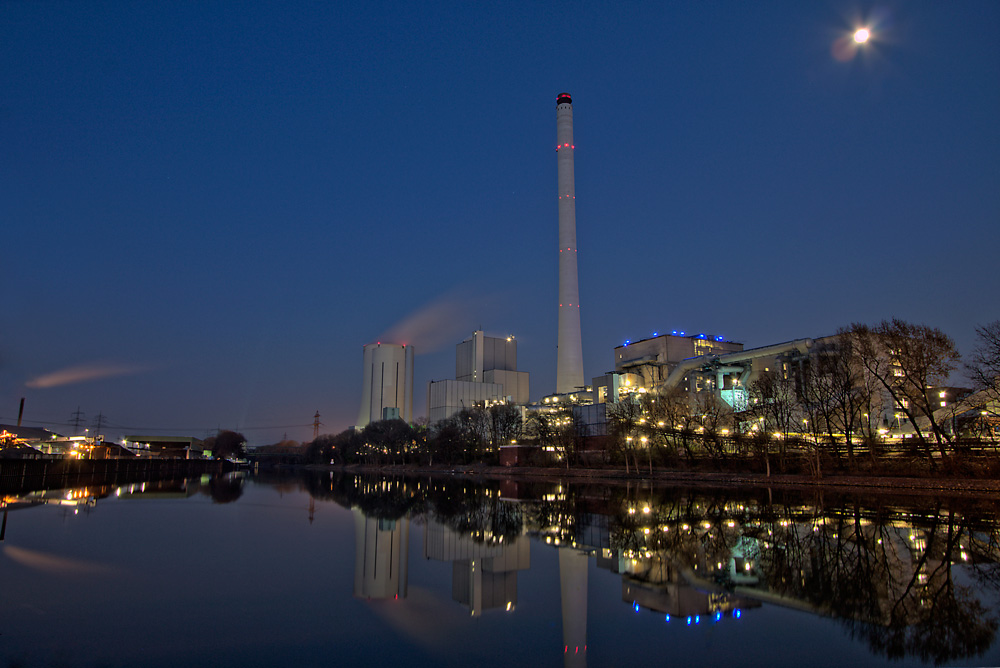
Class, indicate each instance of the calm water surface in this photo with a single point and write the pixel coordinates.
(333, 569)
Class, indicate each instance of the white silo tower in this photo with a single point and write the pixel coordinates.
(387, 386)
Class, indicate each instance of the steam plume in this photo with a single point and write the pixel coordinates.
(82, 373)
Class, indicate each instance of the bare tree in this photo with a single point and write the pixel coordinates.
(908, 360)
(557, 428)
(774, 404)
(713, 415)
(834, 392)
(504, 424)
(984, 365)
(673, 417)
(623, 423)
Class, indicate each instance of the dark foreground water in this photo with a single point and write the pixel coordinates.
(344, 570)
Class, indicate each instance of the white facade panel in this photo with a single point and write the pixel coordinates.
(515, 384)
(448, 397)
(387, 382)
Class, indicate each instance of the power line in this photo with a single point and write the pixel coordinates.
(77, 419)
(99, 422)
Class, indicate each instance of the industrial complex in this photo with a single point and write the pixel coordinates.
(704, 370)
(697, 365)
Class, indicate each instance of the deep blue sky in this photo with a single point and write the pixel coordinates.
(215, 205)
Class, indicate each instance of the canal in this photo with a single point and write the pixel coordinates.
(335, 568)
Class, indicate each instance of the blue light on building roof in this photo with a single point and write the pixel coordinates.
(674, 332)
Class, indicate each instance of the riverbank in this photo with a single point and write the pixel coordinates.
(923, 486)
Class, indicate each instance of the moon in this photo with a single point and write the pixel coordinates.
(861, 35)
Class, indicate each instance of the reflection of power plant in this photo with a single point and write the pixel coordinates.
(655, 584)
(484, 571)
(381, 549)
(691, 560)
(573, 595)
(387, 385)
(484, 574)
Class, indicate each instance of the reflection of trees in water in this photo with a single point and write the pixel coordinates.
(386, 498)
(485, 519)
(225, 488)
(471, 509)
(886, 569)
(931, 616)
(888, 573)
(891, 581)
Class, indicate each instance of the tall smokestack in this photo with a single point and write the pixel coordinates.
(569, 367)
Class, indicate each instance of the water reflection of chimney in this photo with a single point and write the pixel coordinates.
(573, 591)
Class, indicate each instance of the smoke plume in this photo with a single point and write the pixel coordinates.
(81, 374)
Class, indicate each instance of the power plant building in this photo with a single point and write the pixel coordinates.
(485, 372)
(387, 385)
(652, 360)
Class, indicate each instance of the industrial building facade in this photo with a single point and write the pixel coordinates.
(485, 372)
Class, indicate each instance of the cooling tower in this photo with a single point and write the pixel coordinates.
(387, 386)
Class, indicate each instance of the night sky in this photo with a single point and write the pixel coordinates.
(209, 207)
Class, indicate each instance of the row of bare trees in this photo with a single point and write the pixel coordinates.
(852, 390)
(473, 434)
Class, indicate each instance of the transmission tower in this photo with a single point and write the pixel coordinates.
(77, 419)
(316, 425)
(99, 422)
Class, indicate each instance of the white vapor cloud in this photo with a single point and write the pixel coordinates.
(82, 373)
(442, 322)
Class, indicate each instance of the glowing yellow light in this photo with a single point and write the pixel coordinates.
(862, 35)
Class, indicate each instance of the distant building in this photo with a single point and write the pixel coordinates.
(652, 360)
(387, 383)
(448, 397)
(490, 359)
(166, 447)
